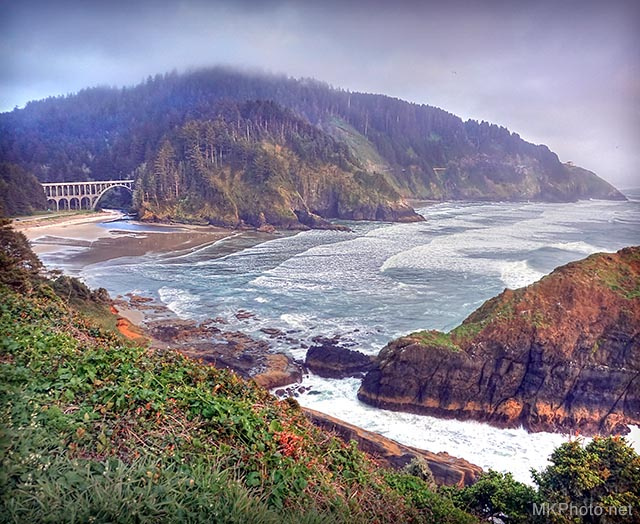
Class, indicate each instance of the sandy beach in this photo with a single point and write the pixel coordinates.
(90, 238)
(47, 234)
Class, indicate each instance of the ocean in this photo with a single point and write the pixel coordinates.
(375, 283)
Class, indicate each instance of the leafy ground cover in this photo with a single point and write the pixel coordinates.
(97, 429)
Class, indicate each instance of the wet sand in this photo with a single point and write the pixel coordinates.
(88, 239)
(49, 234)
(127, 244)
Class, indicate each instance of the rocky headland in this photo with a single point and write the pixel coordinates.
(562, 354)
(238, 149)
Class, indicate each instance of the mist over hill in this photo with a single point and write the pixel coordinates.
(378, 149)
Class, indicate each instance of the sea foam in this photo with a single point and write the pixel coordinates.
(180, 301)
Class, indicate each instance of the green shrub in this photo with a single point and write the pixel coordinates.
(496, 493)
(604, 473)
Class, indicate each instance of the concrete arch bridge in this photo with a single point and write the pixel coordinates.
(80, 195)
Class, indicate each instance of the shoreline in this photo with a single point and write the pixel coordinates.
(374, 426)
(73, 242)
(30, 226)
(144, 320)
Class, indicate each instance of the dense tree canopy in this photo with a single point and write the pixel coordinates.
(422, 151)
(605, 473)
(256, 163)
(596, 483)
(20, 192)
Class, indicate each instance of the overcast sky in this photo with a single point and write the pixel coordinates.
(562, 73)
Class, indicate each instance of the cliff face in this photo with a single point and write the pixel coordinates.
(562, 354)
(515, 177)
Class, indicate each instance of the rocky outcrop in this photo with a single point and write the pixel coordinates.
(277, 370)
(146, 321)
(330, 360)
(447, 470)
(562, 354)
(233, 350)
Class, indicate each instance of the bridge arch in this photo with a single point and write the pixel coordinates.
(106, 190)
(80, 195)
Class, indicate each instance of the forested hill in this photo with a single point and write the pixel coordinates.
(421, 151)
(258, 164)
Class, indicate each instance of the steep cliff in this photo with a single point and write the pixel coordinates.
(562, 354)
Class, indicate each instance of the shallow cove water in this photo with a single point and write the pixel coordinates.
(378, 282)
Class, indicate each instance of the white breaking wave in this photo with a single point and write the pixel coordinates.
(297, 321)
(518, 274)
(348, 265)
(201, 249)
(180, 301)
(578, 247)
(452, 255)
(505, 450)
(489, 244)
(278, 283)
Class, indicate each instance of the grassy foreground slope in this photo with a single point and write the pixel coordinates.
(96, 429)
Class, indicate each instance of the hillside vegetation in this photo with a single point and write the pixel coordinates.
(257, 164)
(95, 429)
(20, 192)
(419, 151)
